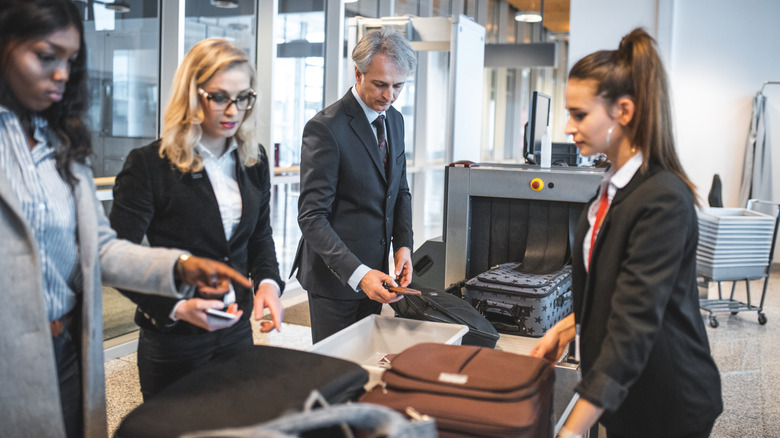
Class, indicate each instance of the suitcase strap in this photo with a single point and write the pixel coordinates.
(432, 304)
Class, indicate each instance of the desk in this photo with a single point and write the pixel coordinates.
(286, 177)
(105, 187)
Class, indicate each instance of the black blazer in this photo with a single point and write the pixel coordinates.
(180, 210)
(645, 354)
(349, 210)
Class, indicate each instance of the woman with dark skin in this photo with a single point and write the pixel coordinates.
(58, 245)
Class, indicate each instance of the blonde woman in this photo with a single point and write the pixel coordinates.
(204, 187)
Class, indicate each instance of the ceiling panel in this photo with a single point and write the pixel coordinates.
(556, 12)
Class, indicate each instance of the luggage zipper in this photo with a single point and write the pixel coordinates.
(414, 414)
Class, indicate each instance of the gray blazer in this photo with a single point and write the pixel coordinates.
(29, 393)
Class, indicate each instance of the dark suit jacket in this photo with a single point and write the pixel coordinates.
(349, 211)
(645, 354)
(177, 210)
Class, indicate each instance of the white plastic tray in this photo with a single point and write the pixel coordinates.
(368, 341)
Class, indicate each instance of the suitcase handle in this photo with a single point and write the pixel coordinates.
(562, 299)
(517, 313)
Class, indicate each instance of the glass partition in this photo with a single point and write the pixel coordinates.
(204, 20)
(298, 95)
(123, 62)
(123, 52)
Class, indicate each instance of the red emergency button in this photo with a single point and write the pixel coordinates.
(537, 184)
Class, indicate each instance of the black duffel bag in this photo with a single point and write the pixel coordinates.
(439, 306)
(255, 386)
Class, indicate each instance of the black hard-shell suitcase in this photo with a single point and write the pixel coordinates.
(255, 386)
(519, 303)
(437, 306)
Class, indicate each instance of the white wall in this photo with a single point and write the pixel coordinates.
(722, 53)
(600, 24)
(718, 54)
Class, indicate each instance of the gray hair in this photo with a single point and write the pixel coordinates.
(389, 43)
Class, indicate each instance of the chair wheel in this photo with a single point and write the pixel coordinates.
(761, 318)
(714, 322)
(734, 313)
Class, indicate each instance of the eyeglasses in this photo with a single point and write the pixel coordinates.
(220, 102)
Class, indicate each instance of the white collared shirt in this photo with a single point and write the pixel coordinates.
(222, 175)
(612, 182)
(371, 115)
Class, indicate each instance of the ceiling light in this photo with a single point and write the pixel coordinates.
(120, 7)
(225, 3)
(528, 17)
(350, 1)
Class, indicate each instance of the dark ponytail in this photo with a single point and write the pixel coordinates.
(635, 70)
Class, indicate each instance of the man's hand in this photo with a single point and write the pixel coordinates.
(210, 276)
(194, 312)
(403, 266)
(373, 284)
(267, 296)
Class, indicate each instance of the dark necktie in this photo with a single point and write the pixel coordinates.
(381, 139)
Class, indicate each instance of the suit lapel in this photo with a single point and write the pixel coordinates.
(363, 130)
(246, 199)
(211, 217)
(637, 180)
(394, 140)
(9, 198)
(86, 221)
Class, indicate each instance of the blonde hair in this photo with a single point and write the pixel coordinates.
(183, 117)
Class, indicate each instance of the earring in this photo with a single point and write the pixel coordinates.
(609, 134)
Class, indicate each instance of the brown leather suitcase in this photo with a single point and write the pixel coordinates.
(470, 391)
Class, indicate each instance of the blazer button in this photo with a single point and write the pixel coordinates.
(225, 259)
(383, 241)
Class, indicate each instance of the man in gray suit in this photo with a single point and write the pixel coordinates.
(355, 199)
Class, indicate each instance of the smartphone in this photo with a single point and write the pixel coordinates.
(220, 314)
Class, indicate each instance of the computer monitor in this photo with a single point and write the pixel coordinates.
(538, 119)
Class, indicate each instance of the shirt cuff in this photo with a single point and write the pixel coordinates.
(354, 279)
(172, 315)
(274, 283)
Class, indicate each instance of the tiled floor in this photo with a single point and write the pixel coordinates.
(748, 355)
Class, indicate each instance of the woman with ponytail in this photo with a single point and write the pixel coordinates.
(645, 359)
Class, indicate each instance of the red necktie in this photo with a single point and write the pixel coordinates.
(600, 213)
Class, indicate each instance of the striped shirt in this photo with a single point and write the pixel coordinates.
(48, 206)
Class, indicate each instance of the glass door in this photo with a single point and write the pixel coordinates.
(123, 50)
